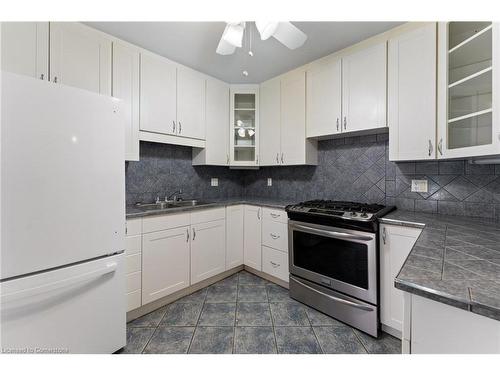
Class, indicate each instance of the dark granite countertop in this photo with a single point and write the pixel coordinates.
(456, 260)
(134, 212)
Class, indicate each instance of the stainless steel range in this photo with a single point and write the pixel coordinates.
(333, 250)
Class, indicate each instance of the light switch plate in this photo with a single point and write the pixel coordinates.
(214, 181)
(269, 182)
(419, 186)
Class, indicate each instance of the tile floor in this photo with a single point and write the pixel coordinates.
(247, 314)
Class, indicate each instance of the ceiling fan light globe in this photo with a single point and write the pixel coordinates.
(266, 29)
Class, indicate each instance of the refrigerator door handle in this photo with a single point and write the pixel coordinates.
(49, 287)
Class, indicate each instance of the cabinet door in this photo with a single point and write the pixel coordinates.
(208, 250)
(190, 104)
(158, 95)
(25, 48)
(165, 263)
(395, 245)
(126, 88)
(234, 236)
(216, 150)
(324, 99)
(412, 94)
(270, 122)
(293, 119)
(252, 237)
(364, 89)
(80, 56)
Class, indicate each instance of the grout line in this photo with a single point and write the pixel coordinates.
(197, 321)
(272, 321)
(154, 332)
(360, 341)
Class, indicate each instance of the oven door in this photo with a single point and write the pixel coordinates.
(340, 259)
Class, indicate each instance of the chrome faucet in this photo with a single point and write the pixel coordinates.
(174, 196)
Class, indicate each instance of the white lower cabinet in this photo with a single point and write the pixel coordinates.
(396, 243)
(275, 263)
(165, 267)
(234, 236)
(208, 250)
(252, 237)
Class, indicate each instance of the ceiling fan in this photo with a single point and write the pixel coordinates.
(284, 32)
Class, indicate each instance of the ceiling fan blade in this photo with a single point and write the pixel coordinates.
(225, 48)
(289, 35)
(266, 29)
(233, 33)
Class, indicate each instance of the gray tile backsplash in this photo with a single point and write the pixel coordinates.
(354, 168)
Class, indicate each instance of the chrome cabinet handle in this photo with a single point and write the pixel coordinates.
(275, 215)
(337, 124)
(180, 127)
(275, 265)
(282, 157)
(274, 236)
(277, 158)
(440, 146)
(187, 234)
(55, 79)
(173, 126)
(384, 235)
(194, 234)
(227, 159)
(258, 214)
(42, 76)
(257, 159)
(430, 147)
(336, 299)
(345, 122)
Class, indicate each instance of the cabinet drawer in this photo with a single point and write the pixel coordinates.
(274, 214)
(275, 235)
(134, 281)
(275, 263)
(133, 245)
(133, 300)
(134, 227)
(156, 223)
(204, 216)
(133, 263)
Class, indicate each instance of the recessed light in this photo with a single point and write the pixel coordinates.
(245, 73)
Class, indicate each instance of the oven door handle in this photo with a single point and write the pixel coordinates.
(332, 234)
(336, 299)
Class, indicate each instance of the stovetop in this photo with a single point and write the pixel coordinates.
(340, 213)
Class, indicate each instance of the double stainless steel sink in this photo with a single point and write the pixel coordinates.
(172, 204)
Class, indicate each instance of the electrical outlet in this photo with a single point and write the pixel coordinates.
(214, 181)
(269, 182)
(419, 186)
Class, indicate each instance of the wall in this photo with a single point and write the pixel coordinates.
(163, 169)
(354, 168)
(358, 169)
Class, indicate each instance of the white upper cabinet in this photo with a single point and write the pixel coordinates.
(80, 56)
(126, 88)
(158, 95)
(468, 84)
(216, 151)
(270, 122)
(364, 87)
(295, 148)
(190, 103)
(324, 99)
(25, 48)
(412, 94)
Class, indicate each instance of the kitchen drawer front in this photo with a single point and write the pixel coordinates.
(133, 300)
(275, 263)
(275, 235)
(204, 216)
(133, 245)
(134, 281)
(133, 263)
(157, 223)
(134, 227)
(275, 215)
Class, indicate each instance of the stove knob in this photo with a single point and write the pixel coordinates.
(353, 214)
(364, 214)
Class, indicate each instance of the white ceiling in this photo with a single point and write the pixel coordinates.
(194, 43)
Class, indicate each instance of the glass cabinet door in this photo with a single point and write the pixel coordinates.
(469, 86)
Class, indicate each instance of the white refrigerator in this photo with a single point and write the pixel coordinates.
(62, 280)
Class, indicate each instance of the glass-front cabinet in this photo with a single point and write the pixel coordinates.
(244, 122)
(468, 89)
